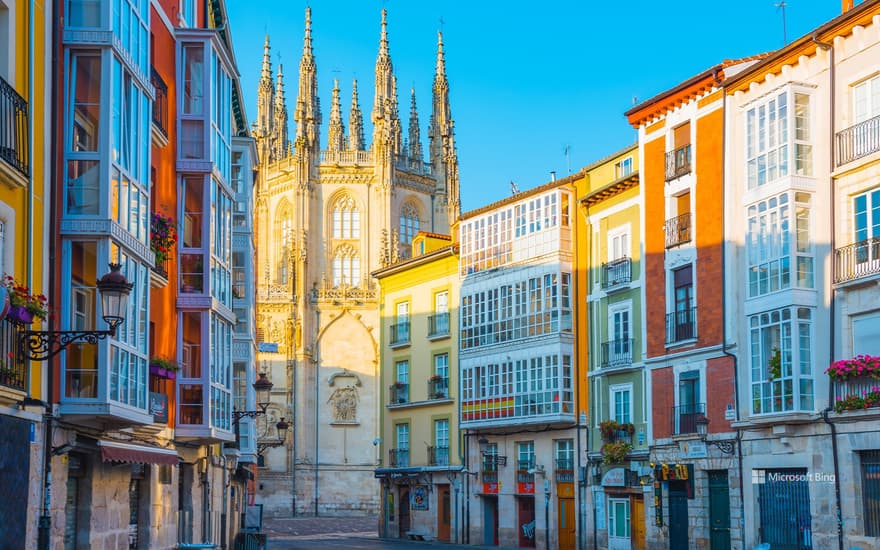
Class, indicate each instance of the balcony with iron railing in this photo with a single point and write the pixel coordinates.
(160, 103)
(398, 393)
(438, 456)
(684, 418)
(678, 162)
(13, 368)
(399, 334)
(438, 325)
(858, 141)
(856, 261)
(678, 230)
(398, 458)
(681, 326)
(616, 272)
(856, 394)
(14, 143)
(617, 353)
(438, 387)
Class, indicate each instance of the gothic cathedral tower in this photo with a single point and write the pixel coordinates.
(325, 219)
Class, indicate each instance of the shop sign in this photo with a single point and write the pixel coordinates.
(615, 477)
(526, 488)
(693, 449)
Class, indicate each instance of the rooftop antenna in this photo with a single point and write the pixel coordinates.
(513, 188)
(567, 150)
(780, 6)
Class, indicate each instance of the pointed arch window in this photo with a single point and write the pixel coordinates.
(409, 224)
(346, 267)
(346, 219)
(283, 242)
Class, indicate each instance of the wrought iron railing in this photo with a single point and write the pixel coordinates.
(858, 141)
(438, 387)
(438, 325)
(857, 260)
(14, 146)
(678, 230)
(616, 272)
(398, 393)
(161, 267)
(681, 325)
(399, 334)
(617, 353)
(678, 162)
(160, 103)
(13, 369)
(398, 458)
(854, 387)
(684, 417)
(438, 456)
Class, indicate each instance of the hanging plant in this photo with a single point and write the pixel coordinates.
(774, 364)
(857, 367)
(615, 452)
(163, 236)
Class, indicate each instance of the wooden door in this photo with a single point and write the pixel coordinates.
(443, 513)
(490, 521)
(526, 515)
(403, 513)
(566, 523)
(678, 516)
(719, 511)
(638, 523)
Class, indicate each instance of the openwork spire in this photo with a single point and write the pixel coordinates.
(384, 75)
(307, 40)
(415, 140)
(266, 73)
(336, 131)
(355, 121)
(265, 127)
(308, 106)
(280, 122)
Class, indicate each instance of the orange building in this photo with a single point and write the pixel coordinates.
(681, 150)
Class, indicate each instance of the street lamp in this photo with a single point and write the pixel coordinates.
(702, 423)
(263, 387)
(114, 289)
(281, 427)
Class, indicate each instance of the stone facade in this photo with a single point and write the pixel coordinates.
(325, 219)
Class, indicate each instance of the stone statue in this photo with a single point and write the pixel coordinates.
(344, 401)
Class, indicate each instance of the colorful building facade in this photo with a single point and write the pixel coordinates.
(419, 449)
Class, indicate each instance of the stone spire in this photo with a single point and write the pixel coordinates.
(355, 121)
(336, 131)
(415, 140)
(386, 123)
(280, 120)
(308, 106)
(265, 102)
(441, 133)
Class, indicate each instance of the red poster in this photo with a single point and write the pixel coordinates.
(527, 488)
(490, 488)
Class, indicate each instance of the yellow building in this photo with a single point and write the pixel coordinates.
(24, 50)
(418, 450)
(609, 270)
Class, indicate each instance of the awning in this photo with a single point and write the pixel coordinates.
(111, 451)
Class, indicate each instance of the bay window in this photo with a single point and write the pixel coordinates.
(770, 247)
(781, 355)
(771, 148)
(84, 118)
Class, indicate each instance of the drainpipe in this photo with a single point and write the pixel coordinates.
(317, 367)
(827, 46)
(734, 357)
(45, 521)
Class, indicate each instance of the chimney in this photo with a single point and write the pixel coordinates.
(552, 175)
(847, 5)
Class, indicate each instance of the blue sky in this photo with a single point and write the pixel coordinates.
(527, 79)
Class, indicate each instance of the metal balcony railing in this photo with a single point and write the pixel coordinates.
(398, 393)
(616, 272)
(160, 103)
(681, 325)
(854, 387)
(438, 456)
(489, 463)
(678, 162)
(617, 353)
(438, 325)
(398, 458)
(399, 334)
(684, 418)
(13, 369)
(678, 230)
(438, 387)
(858, 141)
(857, 260)
(161, 267)
(14, 146)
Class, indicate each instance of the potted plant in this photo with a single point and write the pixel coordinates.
(9, 375)
(615, 452)
(608, 429)
(163, 236)
(24, 306)
(857, 367)
(164, 368)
